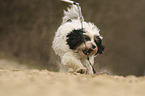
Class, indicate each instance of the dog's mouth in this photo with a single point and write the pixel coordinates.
(87, 51)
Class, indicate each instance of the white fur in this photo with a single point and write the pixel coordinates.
(71, 59)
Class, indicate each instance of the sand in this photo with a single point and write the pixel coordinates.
(34, 82)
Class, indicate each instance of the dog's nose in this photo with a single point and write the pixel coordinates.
(93, 46)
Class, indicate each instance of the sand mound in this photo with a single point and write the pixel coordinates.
(45, 83)
(19, 80)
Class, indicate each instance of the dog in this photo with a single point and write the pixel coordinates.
(77, 42)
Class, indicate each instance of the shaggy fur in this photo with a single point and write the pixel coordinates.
(73, 44)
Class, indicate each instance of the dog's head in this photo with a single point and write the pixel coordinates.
(84, 42)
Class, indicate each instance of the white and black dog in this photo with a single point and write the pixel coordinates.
(77, 42)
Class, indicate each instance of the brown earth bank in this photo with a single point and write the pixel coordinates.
(33, 82)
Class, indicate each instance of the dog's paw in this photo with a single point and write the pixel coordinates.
(90, 72)
(81, 71)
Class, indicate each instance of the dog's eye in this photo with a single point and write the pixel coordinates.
(87, 38)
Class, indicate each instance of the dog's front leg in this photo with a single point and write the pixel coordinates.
(90, 69)
(88, 66)
(71, 61)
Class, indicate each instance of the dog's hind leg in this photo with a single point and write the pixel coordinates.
(70, 60)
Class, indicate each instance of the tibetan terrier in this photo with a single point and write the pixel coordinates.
(77, 42)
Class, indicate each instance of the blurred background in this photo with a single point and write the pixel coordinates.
(27, 28)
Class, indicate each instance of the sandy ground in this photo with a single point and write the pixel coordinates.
(31, 82)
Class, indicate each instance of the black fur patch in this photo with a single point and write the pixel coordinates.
(98, 42)
(75, 38)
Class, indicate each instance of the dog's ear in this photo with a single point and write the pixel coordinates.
(100, 49)
(75, 38)
(98, 42)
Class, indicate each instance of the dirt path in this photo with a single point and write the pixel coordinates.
(44, 83)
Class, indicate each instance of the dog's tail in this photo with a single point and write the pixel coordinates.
(74, 12)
